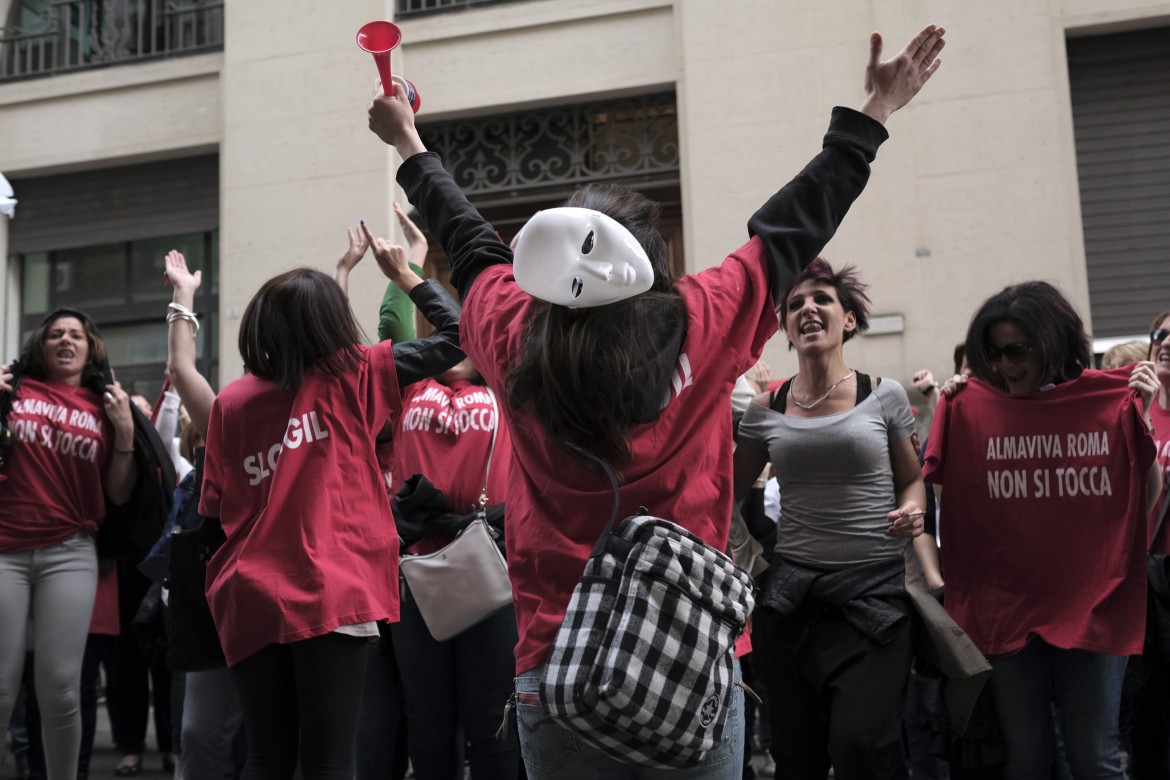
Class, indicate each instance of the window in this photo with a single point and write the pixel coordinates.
(1120, 88)
(420, 7)
(121, 287)
(51, 36)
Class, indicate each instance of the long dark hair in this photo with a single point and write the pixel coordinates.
(1051, 323)
(592, 374)
(32, 357)
(295, 321)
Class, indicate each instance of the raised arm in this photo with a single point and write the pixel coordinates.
(352, 255)
(193, 389)
(469, 241)
(418, 359)
(797, 222)
(396, 314)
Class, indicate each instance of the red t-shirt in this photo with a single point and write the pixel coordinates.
(680, 465)
(105, 618)
(56, 466)
(445, 433)
(293, 478)
(1161, 420)
(1043, 520)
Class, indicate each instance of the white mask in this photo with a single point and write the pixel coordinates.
(580, 258)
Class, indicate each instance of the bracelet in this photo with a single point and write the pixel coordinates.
(933, 386)
(184, 315)
(179, 308)
(129, 451)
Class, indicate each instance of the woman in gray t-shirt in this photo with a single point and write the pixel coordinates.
(832, 635)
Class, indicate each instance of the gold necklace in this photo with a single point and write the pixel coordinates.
(820, 400)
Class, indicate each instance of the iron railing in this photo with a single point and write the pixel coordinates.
(630, 140)
(70, 35)
(420, 7)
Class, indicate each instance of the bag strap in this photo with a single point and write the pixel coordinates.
(599, 545)
(481, 510)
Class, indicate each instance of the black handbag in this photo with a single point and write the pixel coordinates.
(194, 643)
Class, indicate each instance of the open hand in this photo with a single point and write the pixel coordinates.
(178, 276)
(358, 244)
(892, 84)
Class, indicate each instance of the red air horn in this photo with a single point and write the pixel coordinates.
(379, 39)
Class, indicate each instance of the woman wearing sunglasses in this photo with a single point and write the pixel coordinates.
(1049, 473)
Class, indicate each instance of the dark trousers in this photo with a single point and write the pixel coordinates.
(136, 682)
(465, 681)
(837, 695)
(302, 700)
(382, 752)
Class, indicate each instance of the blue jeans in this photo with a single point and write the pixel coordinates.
(551, 751)
(1086, 688)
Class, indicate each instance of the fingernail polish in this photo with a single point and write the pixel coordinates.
(361, 221)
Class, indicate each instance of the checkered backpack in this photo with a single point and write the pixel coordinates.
(642, 664)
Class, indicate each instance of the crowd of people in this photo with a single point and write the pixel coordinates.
(571, 357)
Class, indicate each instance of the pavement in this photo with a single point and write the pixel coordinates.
(105, 757)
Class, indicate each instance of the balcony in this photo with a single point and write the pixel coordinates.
(47, 37)
(408, 8)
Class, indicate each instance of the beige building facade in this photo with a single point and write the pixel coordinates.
(979, 186)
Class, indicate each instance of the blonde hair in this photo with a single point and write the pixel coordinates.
(187, 437)
(1123, 354)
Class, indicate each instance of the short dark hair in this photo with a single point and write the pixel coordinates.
(850, 292)
(1053, 326)
(92, 374)
(960, 353)
(295, 321)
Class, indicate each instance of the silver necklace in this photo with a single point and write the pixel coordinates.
(821, 400)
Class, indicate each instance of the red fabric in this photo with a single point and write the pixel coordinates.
(1025, 551)
(56, 467)
(310, 546)
(1161, 419)
(681, 463)
(445, 433)
(105, 605)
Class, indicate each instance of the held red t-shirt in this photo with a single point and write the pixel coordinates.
(292, 476)
(445, 433)
(1043, 519)
(680, 464)
(55, 472)
(1161, 420)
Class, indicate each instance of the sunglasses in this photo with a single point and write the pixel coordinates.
(1013, 352)
(1157, 337)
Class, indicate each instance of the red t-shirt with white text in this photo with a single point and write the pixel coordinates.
(445, 433)
(293, 477)
(57, 465)
(680, 464)
(1043, 518)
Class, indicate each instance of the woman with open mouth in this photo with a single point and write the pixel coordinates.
(833, 629)
(67, 448)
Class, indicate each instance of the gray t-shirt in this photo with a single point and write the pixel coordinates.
(835, 476)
